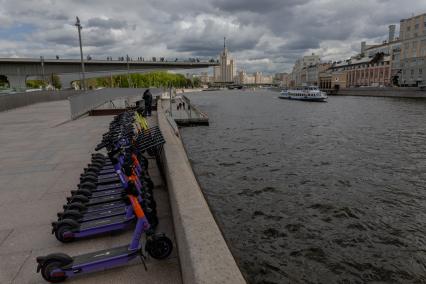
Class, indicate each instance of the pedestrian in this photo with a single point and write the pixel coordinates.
(147, 97)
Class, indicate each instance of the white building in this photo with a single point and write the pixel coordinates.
(299, 73)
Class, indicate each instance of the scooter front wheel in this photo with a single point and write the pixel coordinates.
(159, 246)
(46, 272)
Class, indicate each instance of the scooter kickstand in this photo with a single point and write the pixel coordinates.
(142, 256)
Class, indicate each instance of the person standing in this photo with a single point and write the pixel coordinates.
(147, 97)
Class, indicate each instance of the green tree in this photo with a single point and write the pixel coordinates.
(56, 82)
(3, 81)
(153, 79)
(35, 84)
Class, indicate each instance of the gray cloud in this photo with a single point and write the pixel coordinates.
(262, 35)
(106, 23)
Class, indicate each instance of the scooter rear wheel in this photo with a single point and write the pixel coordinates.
(159, 246)
(50, 266)
(59, 234)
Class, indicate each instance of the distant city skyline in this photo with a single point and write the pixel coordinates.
(266, 36)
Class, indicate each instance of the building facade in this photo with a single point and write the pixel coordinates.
(301, 67)
(282, 79)
(226, 71)
(412, 33)
(373, 72)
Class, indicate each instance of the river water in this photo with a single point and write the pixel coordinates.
(315, 192)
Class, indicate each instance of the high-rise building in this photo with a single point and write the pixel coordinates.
(226, 72)
(299, 73)
(412, 33)
(391, 33)
(257, 77)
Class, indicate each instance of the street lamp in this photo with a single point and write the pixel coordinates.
(79, 27)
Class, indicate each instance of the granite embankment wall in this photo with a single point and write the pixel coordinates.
(11, 101)
(203, 253)
(384, 92)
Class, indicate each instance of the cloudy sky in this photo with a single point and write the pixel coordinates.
(263, 35)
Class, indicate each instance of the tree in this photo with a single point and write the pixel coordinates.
(153, 79)
(35, 84)
(3, 81)
(56, 82)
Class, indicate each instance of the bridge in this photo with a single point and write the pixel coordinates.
(18, 70)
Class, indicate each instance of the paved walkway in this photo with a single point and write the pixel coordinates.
(41, 157)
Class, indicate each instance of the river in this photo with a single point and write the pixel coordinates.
(315, 192)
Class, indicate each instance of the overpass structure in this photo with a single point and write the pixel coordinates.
(17, 70)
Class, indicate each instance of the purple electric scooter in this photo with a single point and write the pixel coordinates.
(58, 267)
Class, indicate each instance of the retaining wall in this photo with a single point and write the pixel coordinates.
(384, 92)
(11, 101)
(203, 253)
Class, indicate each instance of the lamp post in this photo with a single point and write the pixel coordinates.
(42, 71)
(83, 81)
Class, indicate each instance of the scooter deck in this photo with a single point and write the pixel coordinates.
(103, 222)
(108, 186)
(105, 206)
(104, 199)
(102, 214)
(97, 194)
(108, 180)
(99, 256)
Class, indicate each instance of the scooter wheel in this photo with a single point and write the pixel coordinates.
(88, 178)
(148, 183)
(159, 246)
(46, 272)
(87, 185)
(71, 214)
(79, 198)
(77, 206)
(153, 220)
(82, 191)
(96, 164)
(60, 234)
(92, 171)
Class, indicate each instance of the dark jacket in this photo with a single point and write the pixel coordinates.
(147, 97)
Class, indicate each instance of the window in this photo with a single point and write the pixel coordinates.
(416, 27)
(420, 71)
(412, 72)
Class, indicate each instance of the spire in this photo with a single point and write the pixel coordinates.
(224, 43)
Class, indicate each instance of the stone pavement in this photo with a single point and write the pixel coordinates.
(184, 116)
(42, 154)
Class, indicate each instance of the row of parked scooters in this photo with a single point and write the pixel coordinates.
(115, 191)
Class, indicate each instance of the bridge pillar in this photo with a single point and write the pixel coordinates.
(17, 81)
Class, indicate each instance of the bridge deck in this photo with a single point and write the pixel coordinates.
(42, 156)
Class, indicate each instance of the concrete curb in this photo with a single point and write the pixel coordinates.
(203, 253)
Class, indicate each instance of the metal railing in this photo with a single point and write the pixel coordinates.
(85, 102)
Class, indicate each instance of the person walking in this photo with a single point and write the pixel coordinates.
(147, 97)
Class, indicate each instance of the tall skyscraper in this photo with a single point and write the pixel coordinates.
(226, 71)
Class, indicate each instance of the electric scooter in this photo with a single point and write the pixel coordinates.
(57, 267)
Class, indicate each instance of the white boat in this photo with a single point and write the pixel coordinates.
(308, 93)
